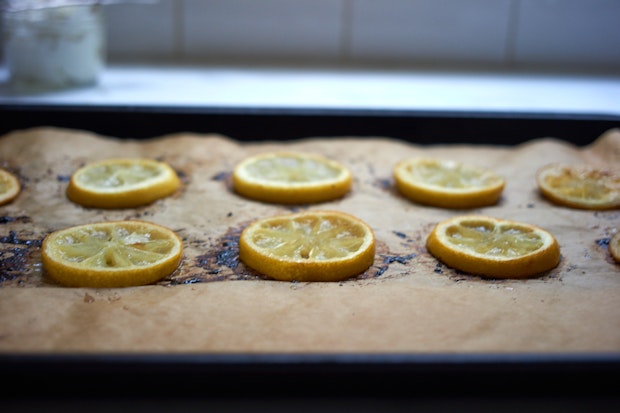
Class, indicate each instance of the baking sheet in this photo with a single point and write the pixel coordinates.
(406, 303)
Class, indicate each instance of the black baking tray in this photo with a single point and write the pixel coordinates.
(311, 375)
(258, 124)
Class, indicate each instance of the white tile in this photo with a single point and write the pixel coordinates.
(471, 31)
(262, 29)
(141, 30)
(580, 33)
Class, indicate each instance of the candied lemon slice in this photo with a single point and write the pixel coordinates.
(9, 187)
(446, 183)
(111, 254)
(614, 247)
(580, 186)
(122, 183)
(291, 178)
(308, 246)
(493, 247)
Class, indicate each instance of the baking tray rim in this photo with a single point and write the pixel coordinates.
(247, 123)
(579, 374)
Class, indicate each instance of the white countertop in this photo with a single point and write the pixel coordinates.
(247, 87)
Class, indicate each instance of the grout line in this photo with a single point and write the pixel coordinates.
(346, 31)
(178, 30)
(512, 32)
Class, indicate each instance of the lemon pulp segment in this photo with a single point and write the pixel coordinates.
(309, 238)
(580, 186)
(291, 178)
(308, 246)
(115, 176)
(501, 242)
(122, 183)
(112, 248)
(446, 183)
(292, 169)
(450, 175)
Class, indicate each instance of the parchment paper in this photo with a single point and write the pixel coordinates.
(405, 303)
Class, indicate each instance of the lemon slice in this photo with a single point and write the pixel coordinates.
(493, 247)
(122, 183)
(111, 254)
(308, 246)
(614, 247)
(291, 178)
(580, 186)
(9, 187)
(446, 183)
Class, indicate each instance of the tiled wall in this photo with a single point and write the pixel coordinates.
(556, 34)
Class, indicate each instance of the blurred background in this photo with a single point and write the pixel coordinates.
(550, 57)
(549, 35)
(539, 35)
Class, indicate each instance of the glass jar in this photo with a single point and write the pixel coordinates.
(54, 47)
